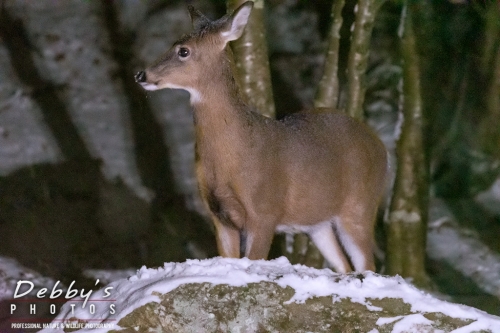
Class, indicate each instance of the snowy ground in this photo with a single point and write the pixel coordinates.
(133, 292)
(462, 248)
(11, 272)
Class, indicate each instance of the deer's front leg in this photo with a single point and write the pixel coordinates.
(228, 239)
(258, 240)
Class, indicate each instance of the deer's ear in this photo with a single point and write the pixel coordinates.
(199, 20)
(236, 23)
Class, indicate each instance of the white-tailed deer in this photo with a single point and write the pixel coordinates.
(322, 173)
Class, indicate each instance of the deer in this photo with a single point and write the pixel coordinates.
(320, 172)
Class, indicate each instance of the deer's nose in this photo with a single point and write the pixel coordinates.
(140, 77)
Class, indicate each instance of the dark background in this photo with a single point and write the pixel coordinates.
(97, 173)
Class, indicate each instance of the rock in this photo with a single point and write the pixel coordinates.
(241, 295)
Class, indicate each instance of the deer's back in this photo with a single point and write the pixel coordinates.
(332, 159)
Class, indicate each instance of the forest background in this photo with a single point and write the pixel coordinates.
(97, 173)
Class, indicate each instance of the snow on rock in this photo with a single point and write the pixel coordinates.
(24, 137)
(462, 249)
(241, 295)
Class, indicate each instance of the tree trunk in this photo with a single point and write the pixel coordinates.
(252, 60)
(299, 249)
(327, 95)
(366, 10)
(490, 127)
(406, 224)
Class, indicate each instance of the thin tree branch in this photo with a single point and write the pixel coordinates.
(328, 88)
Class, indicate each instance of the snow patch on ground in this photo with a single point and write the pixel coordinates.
(106, 276)
(142, 288)
(490, 199)
(11, 272)
(24, 137)
(462, 249)
(73, 52)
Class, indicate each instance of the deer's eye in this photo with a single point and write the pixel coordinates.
(183, 52)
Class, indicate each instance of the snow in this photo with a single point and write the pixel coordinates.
(11, 272)
(410, 323)
(462, 248)
(490, 199)
(142, 288)
(73, 51)
(406, 324)
(24, 137)
(388, 320)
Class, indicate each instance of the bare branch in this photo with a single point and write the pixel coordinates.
(328, 88)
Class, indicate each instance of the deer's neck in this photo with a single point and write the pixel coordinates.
(218, 104)
(222, 119)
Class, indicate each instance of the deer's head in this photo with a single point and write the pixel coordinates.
(194, 57)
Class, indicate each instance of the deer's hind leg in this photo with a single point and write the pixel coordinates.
(327, 243)
(355, 230)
